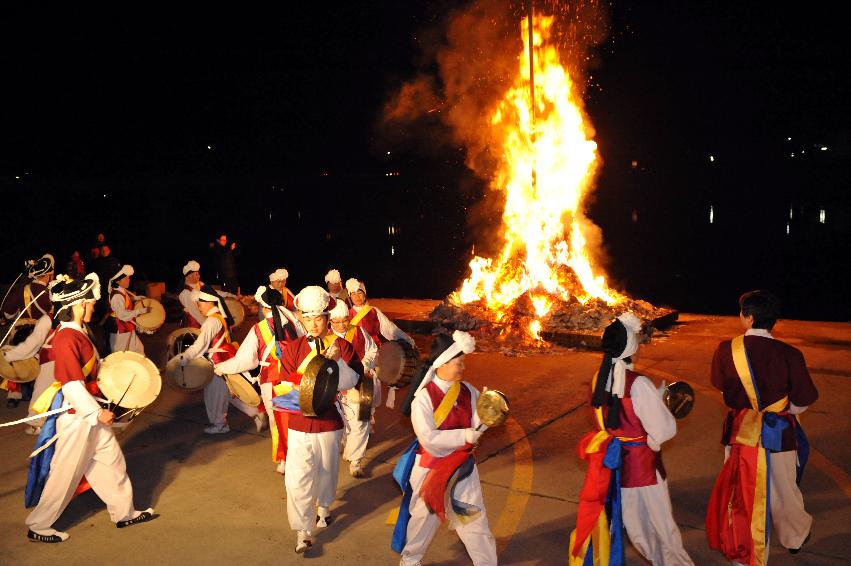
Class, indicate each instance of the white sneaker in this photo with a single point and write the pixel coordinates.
(282, 467)
(33, 430)
(217, 429)
(323, 517)
(260, 421)
(355, 469)
(305, 541)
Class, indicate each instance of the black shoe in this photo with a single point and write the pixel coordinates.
(35, 537)
(12, 403)
(143, 517)
(797, 550)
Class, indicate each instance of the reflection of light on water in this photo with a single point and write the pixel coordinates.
(787, 228)
(822, 216)
(392, 250)
(711, 214)
(790, 213)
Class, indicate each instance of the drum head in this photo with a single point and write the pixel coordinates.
(396, 364)
(237, 311)
(22, 371)
(242, 389)
(492, 407)
(679, 398)
(318, 387)
(179, 341)
(130, 379)
(152, 320)
(366, 396)
(194, 376)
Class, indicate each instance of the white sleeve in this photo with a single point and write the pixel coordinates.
(185, 298)
(82, 401)
(348, 376)
(436, 442)
(370, 350)
(655, 417)
(795, 409)
(117, 304)
(245, 358)
(290, 316)
(209, 329)
(30, 347)
(389, 330)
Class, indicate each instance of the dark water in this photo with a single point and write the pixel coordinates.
(411, 234)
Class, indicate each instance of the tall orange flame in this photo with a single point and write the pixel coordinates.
(550, 160)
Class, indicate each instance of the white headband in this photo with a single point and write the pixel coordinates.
(333, 276)
(125, 271)
(191, 266)
(353, 285)
(340, 310)
(313, 301)
(279, 275)
(463, 342)
(617, 378)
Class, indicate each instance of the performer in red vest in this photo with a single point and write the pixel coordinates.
(335, 287)
(34, 300)
(122, 334)
(263, 346)
(313, 452)
(443, 413)
(214, 343)
(85, 445)
(278, 281)
(766, 384)
(357, 434)
(625, 471)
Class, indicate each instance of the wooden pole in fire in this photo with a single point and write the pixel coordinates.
(530, 13)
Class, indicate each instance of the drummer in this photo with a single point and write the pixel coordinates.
(262, 347)
(34, 300)
(447, 426)
(375, 322)
(86, 446)
(192, 317)
(215, 344)
(357, 431)
(335, 287)
(313, 457)
(278, 281)
(125, 309)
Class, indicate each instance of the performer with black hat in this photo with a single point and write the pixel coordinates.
(122, 301)
(633, 423)
(313, 452)
(262, 347)
(357, 431)
(766, 384)
(214, 343)
(34, 300)
(443, 413)
(85, 446)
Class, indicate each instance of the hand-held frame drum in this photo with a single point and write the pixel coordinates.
(397, 363)
(151, 321)
(195, 375)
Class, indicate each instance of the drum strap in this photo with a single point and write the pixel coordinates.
(225, 334)
(359, 317)
(326, 343)
(446, 404)
(28, 297)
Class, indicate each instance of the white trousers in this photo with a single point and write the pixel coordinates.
(313, 464)
(126, 342)
(650, 525)
(790, 522)
(216, 399)
(83, 450)
(476, 535)
(42, 382)
(357, 433)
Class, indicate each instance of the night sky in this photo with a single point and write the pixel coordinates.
(197, 123)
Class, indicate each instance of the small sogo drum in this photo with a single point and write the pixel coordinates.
(129, 380)
(152, 320)
(21, 371)
(317, 391)
(237, 310)
(242, 388)
(195, 375)
(397, 363)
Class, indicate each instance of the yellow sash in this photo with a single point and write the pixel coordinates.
(221, 319)
(446, 404)
(359, 317)
(28, 297)
(268, 337)
(751, 424)
(329, 339)
(350, 334)
(42, 404)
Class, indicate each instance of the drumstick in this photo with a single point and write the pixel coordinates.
(125, 391)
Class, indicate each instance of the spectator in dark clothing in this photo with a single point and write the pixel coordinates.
(224, 261)
(76, 268)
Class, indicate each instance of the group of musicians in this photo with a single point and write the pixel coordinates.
(765, 383)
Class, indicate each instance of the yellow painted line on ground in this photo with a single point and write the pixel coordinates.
(520, 488)
(817, 459)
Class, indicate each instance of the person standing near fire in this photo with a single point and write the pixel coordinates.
(625, 484)
(766, 385)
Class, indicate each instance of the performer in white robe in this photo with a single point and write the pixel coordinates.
(357, 431)
(443, 413)
(125, 309)
(86, 446)
(335, 287)
(214, 343)
(37, 344)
